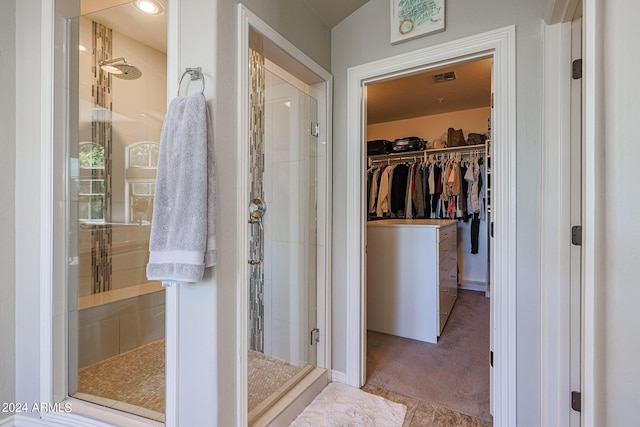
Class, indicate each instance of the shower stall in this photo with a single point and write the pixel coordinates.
(117, 316)
(286, 211)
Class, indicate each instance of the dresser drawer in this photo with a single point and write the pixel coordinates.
(448, 260)
(448, 236)
(447, 246)
(444, 302)
(442, 320)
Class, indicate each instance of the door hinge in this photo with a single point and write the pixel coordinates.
(576, 71)
(315, 129)
(576, 235)
(491, 352)
(491, 228)
(315, 336)
(576, 401)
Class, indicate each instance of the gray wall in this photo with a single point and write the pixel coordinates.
(295, 21)
(364, 37)
(7, 207)
(620, 392)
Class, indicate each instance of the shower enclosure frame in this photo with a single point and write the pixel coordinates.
(321, 89)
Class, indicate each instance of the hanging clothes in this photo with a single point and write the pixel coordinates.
(418, 192)
(382, 207)
(374, 190)
(398, 189)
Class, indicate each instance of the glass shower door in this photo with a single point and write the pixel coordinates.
(282, 224)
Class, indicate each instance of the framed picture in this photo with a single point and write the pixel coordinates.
(415, 18)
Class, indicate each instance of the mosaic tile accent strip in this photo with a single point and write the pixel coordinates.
(102, 135)
(256, 173)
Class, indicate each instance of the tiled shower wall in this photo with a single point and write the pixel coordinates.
(139, 107)
(290, 229)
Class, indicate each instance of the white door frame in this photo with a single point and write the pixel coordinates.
(323, 93)
(555, 256)
(500, 43)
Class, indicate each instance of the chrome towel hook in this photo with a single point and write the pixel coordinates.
(196, 74)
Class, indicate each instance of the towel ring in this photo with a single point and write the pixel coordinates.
(196, 74)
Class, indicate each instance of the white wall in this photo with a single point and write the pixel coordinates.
(432, 127)
(364, 37)
(621, 290)
(28, 191)
(7, 208)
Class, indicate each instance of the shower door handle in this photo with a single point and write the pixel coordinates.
(257, 209)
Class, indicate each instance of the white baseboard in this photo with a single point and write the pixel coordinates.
(339, 377)
(83, 415)
(470, 285)
(7, 422)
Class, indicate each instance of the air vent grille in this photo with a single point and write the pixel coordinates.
(444, 77)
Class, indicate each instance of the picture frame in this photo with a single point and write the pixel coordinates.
(415, 18)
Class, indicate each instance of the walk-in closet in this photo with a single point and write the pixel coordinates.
(428, 202)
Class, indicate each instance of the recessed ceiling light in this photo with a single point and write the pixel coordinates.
(150, 7)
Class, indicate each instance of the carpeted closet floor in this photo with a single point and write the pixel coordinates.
(452, 374)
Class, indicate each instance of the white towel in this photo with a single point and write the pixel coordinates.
(182, 239)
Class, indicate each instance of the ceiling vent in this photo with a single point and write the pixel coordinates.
(444, 77)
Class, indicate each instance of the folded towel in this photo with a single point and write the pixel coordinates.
(182, 239)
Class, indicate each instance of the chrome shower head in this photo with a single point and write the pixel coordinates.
(121, 69)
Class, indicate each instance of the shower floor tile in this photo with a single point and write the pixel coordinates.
(137, 378)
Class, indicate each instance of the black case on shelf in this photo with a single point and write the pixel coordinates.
(378, 146)
(410, 143)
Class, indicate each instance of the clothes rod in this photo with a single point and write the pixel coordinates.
(416, 154)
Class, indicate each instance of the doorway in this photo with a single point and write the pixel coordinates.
(285, 176)
(501, 45)
(427, 258)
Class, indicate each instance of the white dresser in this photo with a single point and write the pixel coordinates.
(411, 276)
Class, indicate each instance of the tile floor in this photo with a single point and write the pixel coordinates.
(426, 414)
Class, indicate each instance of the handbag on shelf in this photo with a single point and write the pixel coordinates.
(476, 139)
(455, 138)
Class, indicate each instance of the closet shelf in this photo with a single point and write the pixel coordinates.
(460, 148)
(408, 155)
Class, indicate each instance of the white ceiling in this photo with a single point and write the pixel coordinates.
(417, 95)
